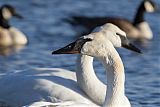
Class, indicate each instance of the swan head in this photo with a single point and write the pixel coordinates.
(94, 44)
(7, 11)
(116, 36)
(149, 5)
(91, 45)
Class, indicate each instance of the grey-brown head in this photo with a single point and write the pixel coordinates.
(98, 43)
(7, 11)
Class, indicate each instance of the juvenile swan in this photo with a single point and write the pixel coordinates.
(98, 46)
(10, 35)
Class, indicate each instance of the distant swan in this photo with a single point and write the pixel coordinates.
(10, 35)
(138, 29)
(59, 85)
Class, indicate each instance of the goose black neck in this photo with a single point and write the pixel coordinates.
(139, 17)
(3, 22)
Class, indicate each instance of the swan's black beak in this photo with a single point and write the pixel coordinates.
(69, 49)
(72, 48)
(126, 44)
(131, 47)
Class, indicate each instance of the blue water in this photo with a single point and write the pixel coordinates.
(46, 31)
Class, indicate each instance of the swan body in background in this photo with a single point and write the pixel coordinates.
(10, 35)
(59, 85)
(41, 85)
(138, 29)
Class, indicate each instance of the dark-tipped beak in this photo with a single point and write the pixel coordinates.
(18, 16)
(69, 49)
(72, 48)
(131, 47)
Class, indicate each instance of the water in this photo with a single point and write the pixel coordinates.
(46, 32)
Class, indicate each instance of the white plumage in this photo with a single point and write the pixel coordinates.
(59, 86)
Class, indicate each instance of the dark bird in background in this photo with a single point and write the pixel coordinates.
(138, 29)
(10, 35)
(6, 12)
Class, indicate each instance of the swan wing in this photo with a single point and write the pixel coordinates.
(42, 84)
(60, 104)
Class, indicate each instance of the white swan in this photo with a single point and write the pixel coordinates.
(35, 85)
(85, 72)
(10, 35)
(115, 96)
(49, 84)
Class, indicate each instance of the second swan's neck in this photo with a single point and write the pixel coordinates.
(88, 81)
(115, 94)
(95, 89)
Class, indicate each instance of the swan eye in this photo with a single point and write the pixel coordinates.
(88, 39)
(80, 42)
(121, 36)
(69, 46)
(124, 39)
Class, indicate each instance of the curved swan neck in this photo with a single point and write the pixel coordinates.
(88, 81)
(115, 95)
(115, 73)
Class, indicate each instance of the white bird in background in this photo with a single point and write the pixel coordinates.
(10, 35)
(59, 86)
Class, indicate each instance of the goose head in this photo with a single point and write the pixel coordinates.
(149, 5)
(7, 11)
(96, 44)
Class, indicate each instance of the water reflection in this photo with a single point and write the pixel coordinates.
(6, 51)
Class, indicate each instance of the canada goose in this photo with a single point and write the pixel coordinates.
(138, 29)
(10, 35)
(59, 85)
